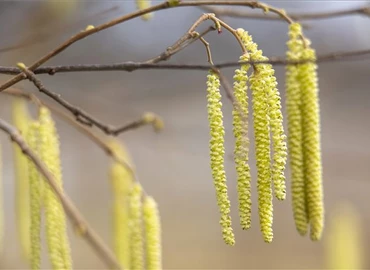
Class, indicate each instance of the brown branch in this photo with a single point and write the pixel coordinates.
(237, 13)
(72, 212)
(82, 116)
(65, 117)
(132, 66)
(162, 6)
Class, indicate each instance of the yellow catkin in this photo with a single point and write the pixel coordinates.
(122, 181)
(274, 112)
(240, 129)
(20, 118)
(56, 231)
(152, 234)
(344, 246)
(217, 152)
(36, 184)
(136, 229)
(143, 4)
(307, 77)
(295, 142)
(1, 204)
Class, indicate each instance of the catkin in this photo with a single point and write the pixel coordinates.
(307, 77)
(36, 190)
(217, 151)
(20, 118)
(143, 4)
(273, 112)
(240, 130)
(56, 231)
(136, 229)
(345, 245)
(122, 181)
(152, 234)
(295, 140)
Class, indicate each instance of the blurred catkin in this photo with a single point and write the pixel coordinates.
(307, 77)
(136, 229)
(36, 192)
(122, 181)
(143, 4)
(152, 234)
(20, 119)
(56, 227)
(295, 139)
(217, 152)
(344, 246)
(241, 151)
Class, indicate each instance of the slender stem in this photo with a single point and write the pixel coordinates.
(72, 212)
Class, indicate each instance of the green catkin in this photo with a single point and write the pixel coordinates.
(152, 234)
(122, 181)
(294, 114)
(136, 229)
(20, 119)
(307, 78)
(143, 4)
(36, 184)
(56, 227)
(217, 151)
(240, 129)
(274, 112)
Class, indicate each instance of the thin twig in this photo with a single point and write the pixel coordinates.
(81, 115)
(81, 128)
(162, 6)
(237, 13)
(72, 212)
(132, 66)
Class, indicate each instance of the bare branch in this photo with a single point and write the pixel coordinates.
(237, 13)
(72, 212)
(132, 66)
(162, 6)
(82, 116)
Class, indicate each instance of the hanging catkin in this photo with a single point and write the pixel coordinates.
(122, 181)
(152, 234)
(307, 77)
(136, 229)
(36, 192)
(217, 152)
(20, 118)
(240, 129)
(56, 231)
(295, 140)
(267, 117)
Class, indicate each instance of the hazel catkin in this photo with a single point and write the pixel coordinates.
(217, 152)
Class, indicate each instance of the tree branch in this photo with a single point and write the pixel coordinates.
(162, 6)
(72, 212)
(132, 66)
(237, 13)
(82, 116)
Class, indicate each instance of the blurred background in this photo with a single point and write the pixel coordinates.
(174, 166)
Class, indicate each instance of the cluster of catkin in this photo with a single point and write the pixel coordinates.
(136, 222)
(302, 103)
(34, 194)
(270, 139)
(271, 152)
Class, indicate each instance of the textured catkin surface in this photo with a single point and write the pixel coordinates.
(174, 166)
(294, 116)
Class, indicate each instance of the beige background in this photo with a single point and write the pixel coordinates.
(174, 166)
